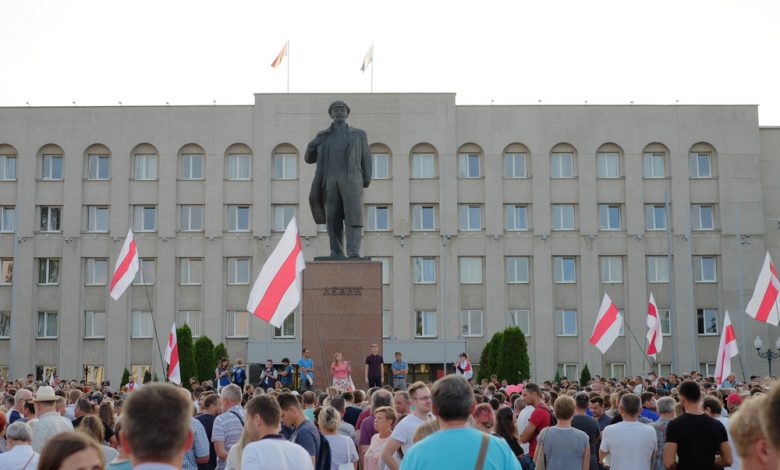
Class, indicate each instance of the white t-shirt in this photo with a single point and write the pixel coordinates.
(277, 454)
(630, 444)
(404, 431)
(342, 450)
(522, 422)
(735, 464)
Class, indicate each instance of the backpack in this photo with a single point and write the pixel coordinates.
(323, 455)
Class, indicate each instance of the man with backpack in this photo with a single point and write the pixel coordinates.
(304, 432)
(540, 418)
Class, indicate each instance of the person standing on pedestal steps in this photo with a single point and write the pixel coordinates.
(343, 171)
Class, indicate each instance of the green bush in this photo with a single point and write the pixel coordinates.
(484, 362)
(125, 378)
(219, 352)
(186, 357)
(495, 353)
(204, 359)
(513, 362)
(584, 375)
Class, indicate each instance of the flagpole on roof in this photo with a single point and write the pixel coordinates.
(288, 66)
(372, 67)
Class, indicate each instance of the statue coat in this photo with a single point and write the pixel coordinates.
(357, 177)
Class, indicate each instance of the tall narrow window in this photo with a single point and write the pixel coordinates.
(702, 217)
(96, 272)
(5, 325)
(237, 218)
(701, 165)
(564, 269)
(423, 217)
(425, 323)
(7, 271)
(517, 269)
(424, 270)
(378, 218)
(515, 217)
(192, 167)
(611, 269)
(48, 271)
(97, 219)
(423, 165)
(47, 325)
(145, 166)
(654, 165)
(657, 269)
(7, 219)
(52, 167)
(282, 216)
(469, 165)
(655, 217)
(567, 322)
(285, 166)
(561, 165)
(239, 166)
(608, 165)
(705, 269)
(380, 169)
(50, 218)
(238, 271)
(190, 318)
(144, 218)
(707, 321)
(141, 325)
(190, 218)
(94, 325)
(288, 328)
(521, 318)
(609, 217)
(563, 217)
(99, 167)
(515, 165)
(7, 167)
(470, 217)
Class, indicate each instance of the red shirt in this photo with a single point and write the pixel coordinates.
(365, 414)
(541, 418)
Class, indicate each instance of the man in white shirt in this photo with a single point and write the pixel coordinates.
(522, 419)
(20, 454)
(628, 445)
(269, 449)
(401, 438)
(49, 423)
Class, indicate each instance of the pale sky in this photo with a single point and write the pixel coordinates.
(148, 52)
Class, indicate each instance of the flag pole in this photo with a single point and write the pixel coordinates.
(288, 66)
(372, 68)
(154, 322)
(625, 324)
(741, 294)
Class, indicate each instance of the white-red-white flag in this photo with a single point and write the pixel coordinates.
(763, 306)
(727, 349)
(172, 357)
(654, 335)
(126, 267)
(277, 289)
(278, 60)
(608, 323)
(368, 58)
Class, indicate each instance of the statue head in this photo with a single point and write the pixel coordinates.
(338, 111)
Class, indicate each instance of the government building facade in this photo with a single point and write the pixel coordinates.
(483, 217)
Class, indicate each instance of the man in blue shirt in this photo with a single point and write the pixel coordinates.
(400, 371)
(648, 406)
(457, 445)
(306, 370)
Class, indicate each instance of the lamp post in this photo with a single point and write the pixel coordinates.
(768, 354)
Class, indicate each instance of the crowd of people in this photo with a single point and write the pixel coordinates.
(644, 423)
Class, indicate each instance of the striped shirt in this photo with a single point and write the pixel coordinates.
(200, 446)
(49, 425)
(228, 428)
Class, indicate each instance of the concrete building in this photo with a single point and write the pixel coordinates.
(483, 217)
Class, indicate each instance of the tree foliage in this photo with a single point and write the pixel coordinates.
(204, 358)
(186, 356)
(585, 375)
(513, 362)
(219, 352)
(125, 378)
(484, 362)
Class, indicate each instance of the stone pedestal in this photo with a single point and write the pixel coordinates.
(342, 311)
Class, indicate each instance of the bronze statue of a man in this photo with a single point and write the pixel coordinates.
(343, 170)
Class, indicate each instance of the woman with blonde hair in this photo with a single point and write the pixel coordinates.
(341, 371)
(342, 448)
(70, 450)
(93, 427)
(385, 418)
